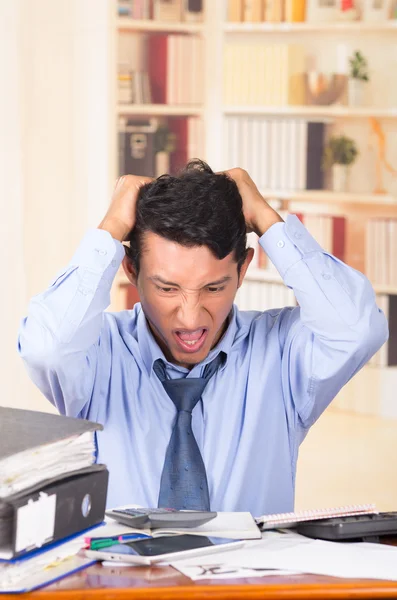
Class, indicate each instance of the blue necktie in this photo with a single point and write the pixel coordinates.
(184, 481)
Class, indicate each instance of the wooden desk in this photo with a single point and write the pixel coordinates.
(164, 583)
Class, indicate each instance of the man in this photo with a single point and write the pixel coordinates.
(259, 379)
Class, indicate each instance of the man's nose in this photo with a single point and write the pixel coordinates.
(189, 314)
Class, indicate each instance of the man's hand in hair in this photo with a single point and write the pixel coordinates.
(259, 215)
(120, 217)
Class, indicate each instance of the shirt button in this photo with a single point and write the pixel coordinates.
(297, 235)
(102, 252)
(280, 244)
(326, 276)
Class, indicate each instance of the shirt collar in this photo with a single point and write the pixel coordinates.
(151, 351)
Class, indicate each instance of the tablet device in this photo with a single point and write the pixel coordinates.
(164, 549)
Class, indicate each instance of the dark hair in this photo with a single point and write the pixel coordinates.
(196, 208)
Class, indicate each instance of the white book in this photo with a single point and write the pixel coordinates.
(302, 154)
(264, 154)
(292, 178)
(244, 143)
(375, 242)
(256, 150)
(284, 155)
(383, 251)
(393, 252)
(274, 144)
(369, 251)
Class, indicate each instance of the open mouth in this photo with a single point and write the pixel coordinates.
(191, 341)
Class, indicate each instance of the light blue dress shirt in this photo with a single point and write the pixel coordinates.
(283, 368)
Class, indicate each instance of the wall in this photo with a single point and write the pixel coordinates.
(56, 111)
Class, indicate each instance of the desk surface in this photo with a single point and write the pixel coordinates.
(164, 583)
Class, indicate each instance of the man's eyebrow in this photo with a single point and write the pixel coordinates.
(158, 279)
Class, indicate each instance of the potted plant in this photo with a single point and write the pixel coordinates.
(339, 153)
(358, 78)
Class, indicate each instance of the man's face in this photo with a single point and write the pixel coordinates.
(187, 295)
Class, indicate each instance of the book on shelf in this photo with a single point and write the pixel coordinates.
(252, 11)
(141, 9)
(133, 87)
(176, 69)
(256, 11)
(295, 11)
(273, 11)
(124, 8)
(279, 154)
(193, 11)
(263, 295)
(235, 11)
(282, 82)
(167, 10)
(381, 251)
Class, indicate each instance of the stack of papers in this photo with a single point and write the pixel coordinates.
(43, 567)
(35, 447)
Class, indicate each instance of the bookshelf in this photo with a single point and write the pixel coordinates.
(150, 25)
(310, 112)
(350, 27)
(378, 42)
(328, 197)
(179, 110)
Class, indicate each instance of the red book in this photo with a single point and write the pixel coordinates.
(339, 236)
(157, 67)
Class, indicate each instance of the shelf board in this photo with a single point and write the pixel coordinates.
(145, 25)
(333, 111)
(333, 27)
(330, 197)
(159, 109)
(385, 289)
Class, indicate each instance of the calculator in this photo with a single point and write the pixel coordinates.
(358, 527)
(155, 518)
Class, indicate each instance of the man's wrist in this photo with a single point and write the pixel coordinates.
(265, 218)
(115, 227)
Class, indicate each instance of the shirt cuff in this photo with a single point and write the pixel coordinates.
(286, 243)
(98, 251)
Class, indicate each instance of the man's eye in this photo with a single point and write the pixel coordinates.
(213, 290)
(166, 290)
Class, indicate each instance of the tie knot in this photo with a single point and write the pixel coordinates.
(185, 393)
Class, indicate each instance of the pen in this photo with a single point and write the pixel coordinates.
(98, 543)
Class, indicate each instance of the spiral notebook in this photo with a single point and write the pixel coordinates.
(286, 520)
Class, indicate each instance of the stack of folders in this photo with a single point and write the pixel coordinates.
(51, 490)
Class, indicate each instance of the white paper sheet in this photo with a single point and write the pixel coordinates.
(294, 553)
